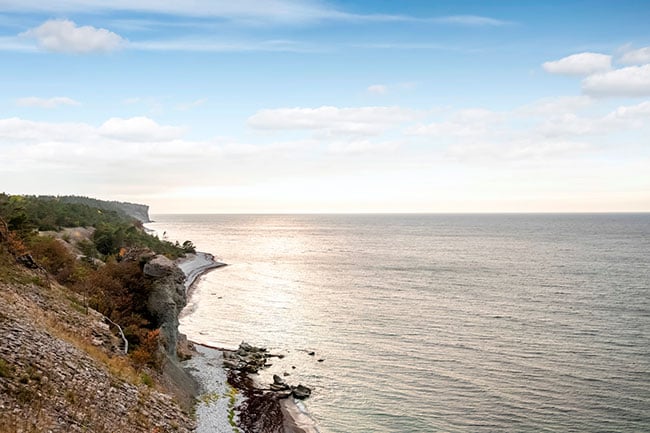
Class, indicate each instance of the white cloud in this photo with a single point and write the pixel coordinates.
(640, 56)
(64, 36)
(377, 89)
(139, 129)
(579, 64)
(361, 121)
(33, 101)
(632, 81)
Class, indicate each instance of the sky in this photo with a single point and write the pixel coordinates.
(282, 106)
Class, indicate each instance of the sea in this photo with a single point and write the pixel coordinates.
(437, 323)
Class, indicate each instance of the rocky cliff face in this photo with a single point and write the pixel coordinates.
(167, 299)
(137, 211)
(134, 210)
(61, 370)
(165, 303)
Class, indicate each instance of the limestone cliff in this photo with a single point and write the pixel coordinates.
(133, 210)
(167, 299)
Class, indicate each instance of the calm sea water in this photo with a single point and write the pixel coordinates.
(438, 322)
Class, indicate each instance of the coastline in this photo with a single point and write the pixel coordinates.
(215, 407)
(196, 264)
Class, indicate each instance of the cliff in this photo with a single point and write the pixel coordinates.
(166, 299)
(62, 370)
(138, 211)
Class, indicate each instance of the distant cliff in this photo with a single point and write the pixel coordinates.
(134, 210)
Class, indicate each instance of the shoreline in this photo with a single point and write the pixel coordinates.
(215, 407)
(195, 265)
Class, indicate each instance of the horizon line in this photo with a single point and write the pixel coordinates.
(414, 213)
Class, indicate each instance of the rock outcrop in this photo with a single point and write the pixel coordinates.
(250, 359)
(167, 299)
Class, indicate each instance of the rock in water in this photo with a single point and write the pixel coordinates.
(245, 347)
(301, 392)
(278, 380)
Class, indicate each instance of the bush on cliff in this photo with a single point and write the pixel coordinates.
(55, 258)
(119, 290)
(147, 353)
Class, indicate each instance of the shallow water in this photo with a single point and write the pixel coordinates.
(438, 322)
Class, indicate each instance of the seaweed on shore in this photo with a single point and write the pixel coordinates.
(260, 412)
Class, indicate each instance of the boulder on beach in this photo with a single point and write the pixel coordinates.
(301, 392)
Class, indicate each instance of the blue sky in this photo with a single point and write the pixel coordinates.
(313, 106)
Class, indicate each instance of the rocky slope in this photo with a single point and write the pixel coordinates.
(61, 369)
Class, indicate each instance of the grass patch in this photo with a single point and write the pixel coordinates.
(79, 308)
(210, 398)
(232, 398)
(146, 379)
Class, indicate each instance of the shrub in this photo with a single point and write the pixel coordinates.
(148, 352)
(54, 257)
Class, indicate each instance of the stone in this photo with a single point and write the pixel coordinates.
(245, 347)
(279, 387)
(301, 392)
(230, 364)
(283, 394)
(159, 266)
